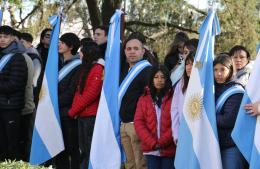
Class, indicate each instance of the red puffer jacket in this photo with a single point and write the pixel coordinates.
(86, 104)
(145, 122)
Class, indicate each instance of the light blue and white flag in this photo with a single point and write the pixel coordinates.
(105, 148)
(198, 146)
(246, 133)
(258, 47)
(1, 16)
(2, 12)
(47, 139)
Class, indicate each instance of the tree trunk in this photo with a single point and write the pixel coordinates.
(94, 13)
(108, 9)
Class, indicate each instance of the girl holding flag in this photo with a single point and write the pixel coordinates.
(228, 96)
(179, 95)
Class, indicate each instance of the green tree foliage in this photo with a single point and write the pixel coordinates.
(239, 25)
(158, 20)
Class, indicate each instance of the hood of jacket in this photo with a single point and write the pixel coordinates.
(14, 47)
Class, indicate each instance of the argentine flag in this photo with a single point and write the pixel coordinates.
(105, 148)
(47, 139)
(198, 146)
(246, 133)
(1, 16)
(258, 47)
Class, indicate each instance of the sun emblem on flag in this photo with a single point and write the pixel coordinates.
(194, 106)
(198, 64)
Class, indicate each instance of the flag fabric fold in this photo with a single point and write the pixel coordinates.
(246, 133)
(198, 146)
(105, 147)
(47, 140)
(1, 16)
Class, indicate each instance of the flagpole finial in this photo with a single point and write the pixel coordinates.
(62, 4)
(61, 10)
(210, 3)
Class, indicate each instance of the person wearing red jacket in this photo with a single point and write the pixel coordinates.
(153, 121)
(86, 99)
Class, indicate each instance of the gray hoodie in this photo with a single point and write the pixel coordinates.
(242, 75)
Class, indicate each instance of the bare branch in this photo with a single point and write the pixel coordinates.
(12, 15)
(94, 13)
(196, 9)
(70, 5)
(131, 30)
(157, 24)
(35, 8)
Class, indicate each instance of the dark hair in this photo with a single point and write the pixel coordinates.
(186, 78)
(17, 34)
(151, 57)
(192, 44)
(43, 33)
(27, 37)
(71, 40)
(157, 97)
(139, 36)
(226, 61)
(239, 48)
(135, 35)
(180, 37)
(7, 30)
(104, 28)
(85, 40)
(91, 53)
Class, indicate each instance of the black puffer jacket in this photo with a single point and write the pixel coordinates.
(227, 117)
(13, 78)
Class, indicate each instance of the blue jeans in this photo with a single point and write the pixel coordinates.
(232, 159)
(156, 162)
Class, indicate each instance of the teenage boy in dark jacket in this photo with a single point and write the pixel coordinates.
(100, 37)
(69, 158)
(13, 79)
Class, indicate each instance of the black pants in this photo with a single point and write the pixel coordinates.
(86, 127)
(69, 158)
(26, 136)
(9, 134)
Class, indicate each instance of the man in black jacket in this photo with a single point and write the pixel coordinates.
(100, 37)
(69, 158)
(134, 52)
(13, 79)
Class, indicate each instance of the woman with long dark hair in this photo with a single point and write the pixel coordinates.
(86, 99)
(153, 120)
(179, 95)
(174, 59)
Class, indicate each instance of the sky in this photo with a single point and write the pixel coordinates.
(201, 4)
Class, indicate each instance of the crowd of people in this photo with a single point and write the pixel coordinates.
(151, 107)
